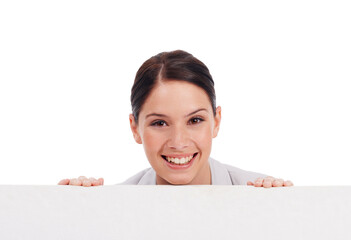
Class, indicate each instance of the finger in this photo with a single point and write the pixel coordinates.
(75, 182)
(82, 178)
(267, 183)
(258, 182)
(92, 179)
(64, 182)
(278, 183)
(95, 183)
(270, 178)
(250, 183)
(288, 184)
(86, 183)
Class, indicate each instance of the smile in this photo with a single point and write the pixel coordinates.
(179, 161)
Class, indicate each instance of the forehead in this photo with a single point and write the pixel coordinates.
(175, 97)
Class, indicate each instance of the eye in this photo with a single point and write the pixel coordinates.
(159, 123)
(196, 120)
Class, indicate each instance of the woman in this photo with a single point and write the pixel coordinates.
(175, 118)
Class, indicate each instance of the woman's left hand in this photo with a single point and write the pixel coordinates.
(268, 182)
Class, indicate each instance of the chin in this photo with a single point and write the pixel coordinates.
(179, 181)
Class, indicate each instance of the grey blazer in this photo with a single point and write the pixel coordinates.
(221, 174)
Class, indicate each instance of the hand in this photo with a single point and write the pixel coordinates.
(268, 182)
(82, 181)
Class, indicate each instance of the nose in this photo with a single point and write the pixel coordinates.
(178, 138)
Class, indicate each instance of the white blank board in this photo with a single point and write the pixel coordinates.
(174, 212)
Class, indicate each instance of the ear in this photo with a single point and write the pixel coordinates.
(217, 121)
(134, 128)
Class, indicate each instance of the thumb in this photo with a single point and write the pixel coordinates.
(101, 181)
(64, 182)
(250, 183)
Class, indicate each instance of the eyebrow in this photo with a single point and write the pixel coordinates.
(163, 115)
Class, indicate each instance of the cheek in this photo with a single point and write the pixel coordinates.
(152, 141)
(203, 137)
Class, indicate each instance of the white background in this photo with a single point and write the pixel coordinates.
(281, 70)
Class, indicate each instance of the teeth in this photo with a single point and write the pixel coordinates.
(179, 160)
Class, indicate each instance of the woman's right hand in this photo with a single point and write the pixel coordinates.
(82, 181)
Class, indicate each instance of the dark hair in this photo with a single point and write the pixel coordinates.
(175, 65)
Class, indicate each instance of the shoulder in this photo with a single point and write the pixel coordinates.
(135, 179)
(144, 177)
(239, 176)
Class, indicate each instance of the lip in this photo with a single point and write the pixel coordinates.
(184, 155)
(183, 166)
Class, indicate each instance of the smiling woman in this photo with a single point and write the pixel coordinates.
(175, 118)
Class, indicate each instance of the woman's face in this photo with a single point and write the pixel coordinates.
(176, 127)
